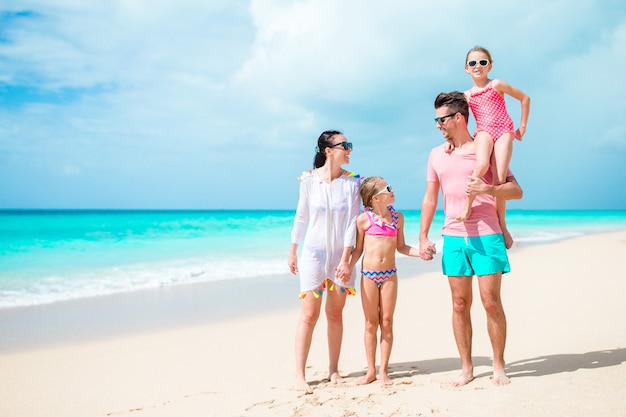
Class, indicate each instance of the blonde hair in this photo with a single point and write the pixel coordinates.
(479, 49)
(368, 189)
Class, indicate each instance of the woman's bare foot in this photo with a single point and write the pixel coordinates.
(301, 385)
(335, 378)
(385, 380)
(462, 379)
(500, 378)
(367, 379)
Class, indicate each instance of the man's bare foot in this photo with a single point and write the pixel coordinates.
(385, 380)
(335, 378)
(301, 385)
(500, 378)
(368, 378)
(462, 379)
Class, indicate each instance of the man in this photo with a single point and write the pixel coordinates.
(473, 247)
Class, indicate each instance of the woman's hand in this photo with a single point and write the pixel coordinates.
(293, 263)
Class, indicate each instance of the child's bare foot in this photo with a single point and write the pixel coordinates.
(465, 214)
(385, 380)
(499, 378)
(301, 385)
(368, 378)
(335, 378)
(462, 379)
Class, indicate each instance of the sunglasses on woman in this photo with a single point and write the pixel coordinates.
(346, 145)
(481, 62)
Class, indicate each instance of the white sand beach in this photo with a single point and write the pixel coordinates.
(566, 354)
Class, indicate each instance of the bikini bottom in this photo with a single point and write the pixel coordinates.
(379, 277)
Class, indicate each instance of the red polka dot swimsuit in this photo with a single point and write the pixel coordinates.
(489, 109)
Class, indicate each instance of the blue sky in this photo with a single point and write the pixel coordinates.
(208, 105)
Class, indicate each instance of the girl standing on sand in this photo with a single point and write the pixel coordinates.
(325, 219)
(495, 133)
(380, 232)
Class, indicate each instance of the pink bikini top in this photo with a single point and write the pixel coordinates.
(380, 228)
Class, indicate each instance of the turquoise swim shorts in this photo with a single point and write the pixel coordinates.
(474, 255)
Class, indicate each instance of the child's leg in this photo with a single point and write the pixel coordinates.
(502, 152)
(370, 298)
(388, 297)
(501, 208)
(483, 145)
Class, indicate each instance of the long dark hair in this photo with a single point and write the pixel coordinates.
(323, 142)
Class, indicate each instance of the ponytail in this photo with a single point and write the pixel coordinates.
(323, 142)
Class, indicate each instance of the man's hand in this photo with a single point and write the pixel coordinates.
(427, 249)
(475, 186)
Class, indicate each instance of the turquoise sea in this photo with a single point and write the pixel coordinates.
(49, 256)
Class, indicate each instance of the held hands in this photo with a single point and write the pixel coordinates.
(343, 271)
(427, 249)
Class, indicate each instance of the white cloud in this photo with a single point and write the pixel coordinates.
(589, 86)
(137, 86)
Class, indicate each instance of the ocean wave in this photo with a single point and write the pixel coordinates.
(71, 285)
(90, 254)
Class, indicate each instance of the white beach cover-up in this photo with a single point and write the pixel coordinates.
(326, 220)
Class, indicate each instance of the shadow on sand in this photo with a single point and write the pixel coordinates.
(538, 366)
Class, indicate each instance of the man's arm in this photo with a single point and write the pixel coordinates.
(510, 190)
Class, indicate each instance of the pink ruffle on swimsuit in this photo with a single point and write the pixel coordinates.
(489, 109)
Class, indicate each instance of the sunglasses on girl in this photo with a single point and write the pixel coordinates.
(481, 62)
(387, 189)
(346, 145)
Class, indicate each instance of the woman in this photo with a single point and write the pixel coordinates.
(326, 220)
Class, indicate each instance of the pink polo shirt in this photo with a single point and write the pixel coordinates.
(451, 171)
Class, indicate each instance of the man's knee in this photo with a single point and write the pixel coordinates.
(461, 305)
(493, 305)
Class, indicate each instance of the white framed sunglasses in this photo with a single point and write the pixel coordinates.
(480, 62)
(387, 189)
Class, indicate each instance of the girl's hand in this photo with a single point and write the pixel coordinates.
(519, 133)
(448, 147)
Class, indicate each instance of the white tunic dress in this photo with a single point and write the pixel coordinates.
(326, 220)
